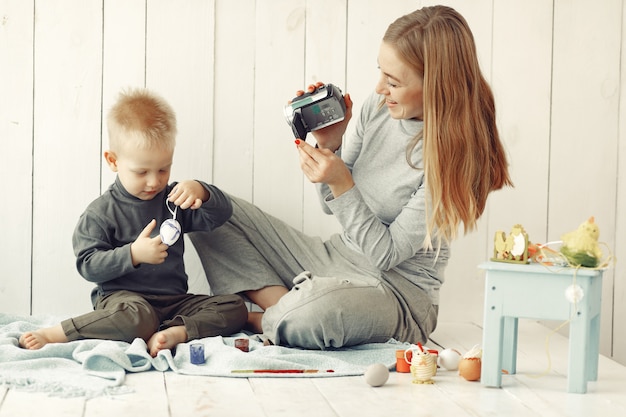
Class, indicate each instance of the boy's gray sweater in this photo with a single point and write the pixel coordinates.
(113, 221)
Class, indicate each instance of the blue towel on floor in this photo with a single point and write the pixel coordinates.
(98, 367)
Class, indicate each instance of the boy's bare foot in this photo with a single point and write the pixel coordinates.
(39, 338)
(166, 339)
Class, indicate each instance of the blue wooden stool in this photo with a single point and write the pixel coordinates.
(535, 291)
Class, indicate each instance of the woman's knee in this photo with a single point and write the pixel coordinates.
(320, 313)
(297, 327)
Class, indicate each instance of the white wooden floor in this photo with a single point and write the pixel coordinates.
(529, 393)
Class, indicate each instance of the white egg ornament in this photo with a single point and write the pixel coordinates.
(449, 359)
(170, 231)
(376, 375)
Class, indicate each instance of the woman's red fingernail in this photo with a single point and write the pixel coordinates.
(297, 141)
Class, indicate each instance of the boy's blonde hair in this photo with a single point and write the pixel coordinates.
(142, 119)
(464, 159)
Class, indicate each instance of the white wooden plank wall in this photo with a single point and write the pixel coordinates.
(228, 67)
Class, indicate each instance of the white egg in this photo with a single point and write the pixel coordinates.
(170, 231)
(376, 374)
(449, 359)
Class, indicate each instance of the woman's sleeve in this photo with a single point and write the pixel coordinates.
(385, 245)
(350, 149)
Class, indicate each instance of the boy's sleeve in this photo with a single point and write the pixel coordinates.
(212, 214)
(97, 260)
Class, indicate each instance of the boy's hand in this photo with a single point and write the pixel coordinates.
(146, 249)
(188, 194)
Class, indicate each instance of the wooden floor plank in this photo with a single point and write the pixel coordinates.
(528, 393)
(19, 403)
(459, 336)
(542, 382)
(478, 400)
(399, 396)
(148, 398)
(290, 397)
(210, 396)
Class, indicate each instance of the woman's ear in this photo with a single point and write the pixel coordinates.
(111, 159)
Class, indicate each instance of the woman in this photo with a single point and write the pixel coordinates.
(424, 157)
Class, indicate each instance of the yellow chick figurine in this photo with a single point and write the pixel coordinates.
(581, 247)
(500, 246)
(511, 248)
(423, 367)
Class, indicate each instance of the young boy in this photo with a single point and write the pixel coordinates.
(141, 282)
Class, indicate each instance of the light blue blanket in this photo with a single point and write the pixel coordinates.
(97, 367)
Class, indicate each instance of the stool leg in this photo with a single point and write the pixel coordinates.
(595, 311)
(579, 353)
(594, 349)
(491, 368)
(509, 349)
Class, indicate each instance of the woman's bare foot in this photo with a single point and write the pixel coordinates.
(254, 322)
(264, 298)
(166, 339)
(39, 338)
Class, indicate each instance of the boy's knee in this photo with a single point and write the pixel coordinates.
(224, 314)
(236, 312)
(137, 320)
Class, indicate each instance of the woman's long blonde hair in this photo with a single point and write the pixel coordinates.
(464, 159)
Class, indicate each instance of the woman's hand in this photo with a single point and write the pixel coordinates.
(330, 137)
(323, 166)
